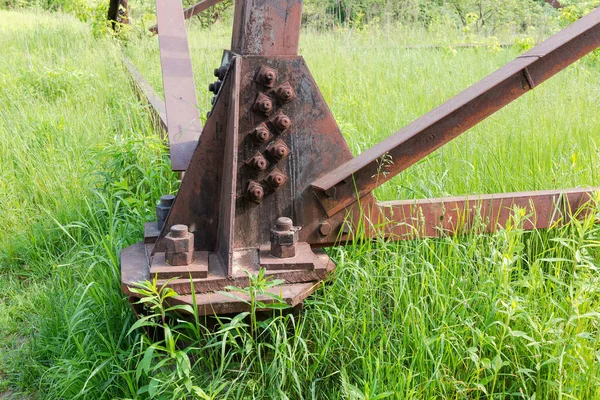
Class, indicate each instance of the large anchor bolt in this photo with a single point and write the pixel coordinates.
(163, 209)
(180, 246)
(284, 238)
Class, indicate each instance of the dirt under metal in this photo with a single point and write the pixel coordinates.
(269, 179)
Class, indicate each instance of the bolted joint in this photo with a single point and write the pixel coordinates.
(221, 72)
(180, 246)
(285, 93)
(262, 134)
(284, 238)
(215, 87)
(278, 150)
(266, 76)
(282, 122)
(325, 228)
(258, 162)
(276, 179)
(163, 208)
(255, 192)
(263, 104)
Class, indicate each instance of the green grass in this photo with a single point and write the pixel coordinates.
(513, 314)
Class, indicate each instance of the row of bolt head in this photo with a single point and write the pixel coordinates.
(277, 150)
(265, 104)
(275, 180)
(268, 77)
(262, 133)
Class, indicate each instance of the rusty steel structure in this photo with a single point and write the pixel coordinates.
(269, 179)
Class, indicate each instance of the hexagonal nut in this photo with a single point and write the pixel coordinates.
(280, 251)
(284, 238)
(285, 93)
(278, 150)
(179, 259)
(255, 192)
(177, 245)
(262, 134)
(221, 72)
(325, 228)
(266, 76)
(282, 122)
(258, 162)
(264, 104)
(276, 179)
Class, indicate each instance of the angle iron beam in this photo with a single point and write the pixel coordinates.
(191, 11)
(361, 175)
(181, 103)
(157, 105)
(413, 219)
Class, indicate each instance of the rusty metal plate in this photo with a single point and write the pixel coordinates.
(183, 117)
(198, 269)
(220, 304)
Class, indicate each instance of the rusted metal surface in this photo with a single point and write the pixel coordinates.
(192, 11)
(267, 28)
(339, 188)
(183, 118)
(310, 265)
(220, 304)
(412, 219)
(196, 269)
(225, 234)
(145, 89)
(311, 146)
(135, 266)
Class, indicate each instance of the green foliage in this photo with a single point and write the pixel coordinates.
(489, 15)
(509, 314)
(572, 10)
(213, 14)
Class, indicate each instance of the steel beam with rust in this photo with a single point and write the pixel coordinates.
(411, 219)
(361, 175)
(271, 29)
(181, 104)
(191, 11)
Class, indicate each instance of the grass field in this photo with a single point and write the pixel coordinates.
(508, 315)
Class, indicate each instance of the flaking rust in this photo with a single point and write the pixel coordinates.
(271, 180)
